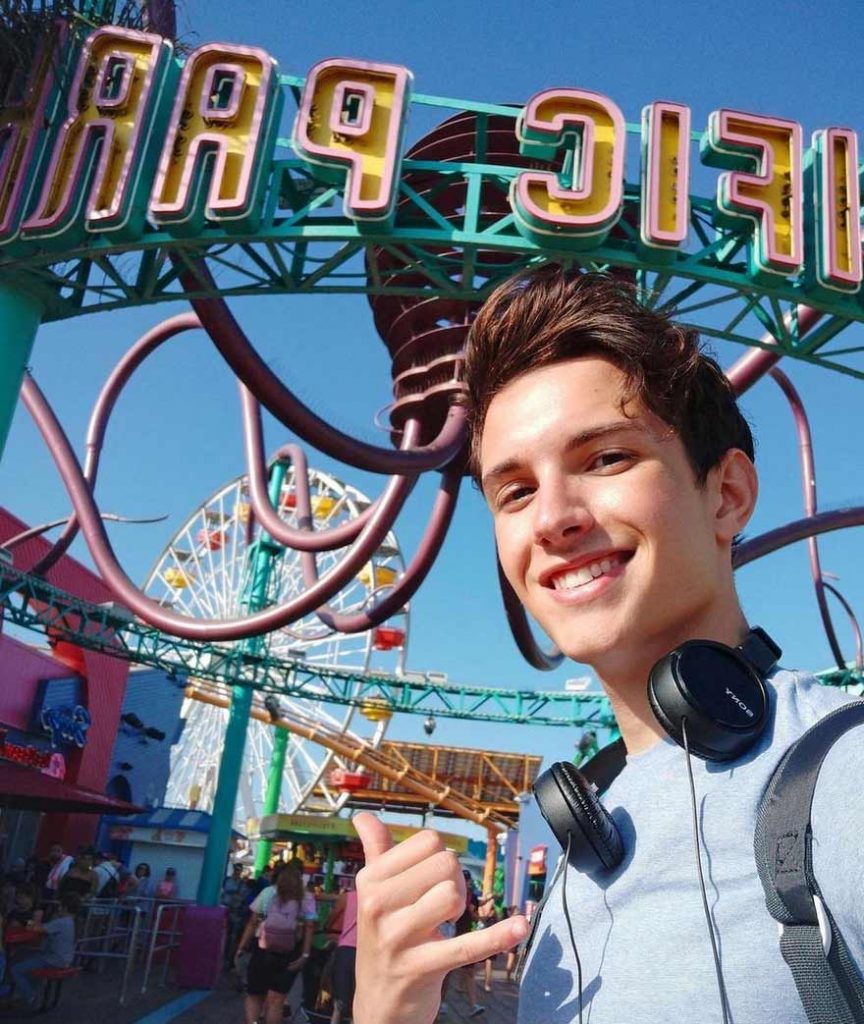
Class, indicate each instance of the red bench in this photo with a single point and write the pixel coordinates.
(54, 978)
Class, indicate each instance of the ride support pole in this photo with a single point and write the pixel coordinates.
(271, 797)
(20, 315)
(219, 840)
(491, 859)
(258, 569)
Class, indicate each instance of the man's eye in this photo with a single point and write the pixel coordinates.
(513, 495)
(611, 458)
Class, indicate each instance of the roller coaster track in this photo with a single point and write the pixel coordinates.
(31, 603)
(355, 749)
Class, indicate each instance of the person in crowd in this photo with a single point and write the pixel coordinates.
(143, 886)
(344, 917)
(463, 925)
(107, 871)
(80, 879)
(25, 908)
(487, 915)
(512, 954)
(619, 472)
(7, 895)
(167, 888)
(233, 898)
(58, 864)
(58, 948)
(279, 934)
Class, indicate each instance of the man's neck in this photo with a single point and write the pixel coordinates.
(626, 685)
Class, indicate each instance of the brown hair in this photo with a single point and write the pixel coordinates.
(289, 883)
(547, 315)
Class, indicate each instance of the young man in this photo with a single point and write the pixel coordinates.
(619, 471)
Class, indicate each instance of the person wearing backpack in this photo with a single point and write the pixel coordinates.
(619, 472)
(279, 934)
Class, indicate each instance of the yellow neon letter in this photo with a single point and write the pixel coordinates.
(585, 201)
(838, 209)
(665, 174)
(111, 102)
(228, 104)
(350, 124)
(772, 196)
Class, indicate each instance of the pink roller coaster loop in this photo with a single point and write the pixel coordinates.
(404, 590)
(304, 539)
(808, 480)
(373, 534)
(250, 368)
(101, 414)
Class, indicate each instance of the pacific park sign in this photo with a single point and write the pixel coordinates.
(136, 140)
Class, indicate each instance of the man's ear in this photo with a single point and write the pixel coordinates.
(736, 485)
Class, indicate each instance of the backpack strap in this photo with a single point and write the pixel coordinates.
(827, 979)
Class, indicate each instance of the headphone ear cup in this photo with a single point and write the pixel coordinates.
(574, 812)
(717, 691)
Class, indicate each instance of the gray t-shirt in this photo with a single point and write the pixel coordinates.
(59, 943)
(641, 931)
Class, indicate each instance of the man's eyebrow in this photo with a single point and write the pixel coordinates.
(576, 441)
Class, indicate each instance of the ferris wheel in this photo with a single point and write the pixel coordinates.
(205, 571)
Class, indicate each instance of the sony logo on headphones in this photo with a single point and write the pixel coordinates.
(739, 702)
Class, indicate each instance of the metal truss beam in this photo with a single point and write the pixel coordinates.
(33, 604)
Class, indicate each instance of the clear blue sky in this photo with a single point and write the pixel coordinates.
(176, 438)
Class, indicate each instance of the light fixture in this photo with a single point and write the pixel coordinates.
(429, 725)
(274, 709)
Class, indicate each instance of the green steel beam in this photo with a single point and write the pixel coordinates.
(33, 604)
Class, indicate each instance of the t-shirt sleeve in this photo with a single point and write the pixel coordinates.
(309, 909)
(53, 927)
(262, 901)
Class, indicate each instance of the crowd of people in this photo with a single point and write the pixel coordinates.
(40, 900)
(278, 933)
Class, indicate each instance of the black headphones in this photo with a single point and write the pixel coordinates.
(718, 690)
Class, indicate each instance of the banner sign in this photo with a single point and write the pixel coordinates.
(139, 143)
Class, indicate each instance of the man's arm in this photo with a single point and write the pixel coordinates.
(404, 893)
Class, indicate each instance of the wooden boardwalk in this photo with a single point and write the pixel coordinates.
(93, 999)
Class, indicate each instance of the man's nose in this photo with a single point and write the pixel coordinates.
(561, 513)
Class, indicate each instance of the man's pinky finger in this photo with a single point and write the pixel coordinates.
(473, 947)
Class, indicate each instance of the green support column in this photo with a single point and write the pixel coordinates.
(328, 870)
(271, 797)
(19, 320)
(260, 568)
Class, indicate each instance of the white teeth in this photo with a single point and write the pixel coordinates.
(579, 577)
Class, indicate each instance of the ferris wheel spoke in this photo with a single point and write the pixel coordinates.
(218, 541)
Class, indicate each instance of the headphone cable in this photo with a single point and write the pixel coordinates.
(570, 923)
(720, 983)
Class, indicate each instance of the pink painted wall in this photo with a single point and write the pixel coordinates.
(103, 690)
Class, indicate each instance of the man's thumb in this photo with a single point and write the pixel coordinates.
(374, 835)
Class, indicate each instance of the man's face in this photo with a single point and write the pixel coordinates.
(601, 527)
(55, 853)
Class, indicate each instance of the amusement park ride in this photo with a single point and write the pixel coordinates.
(130, 176)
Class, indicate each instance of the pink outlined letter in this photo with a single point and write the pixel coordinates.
(665, 215)
(21, 119)
(772, 197)
(591, 204)
(838, 209)
(350, 123)
(228, 103)
(112, 98)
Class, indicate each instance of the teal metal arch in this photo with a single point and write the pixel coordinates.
(305, 244)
